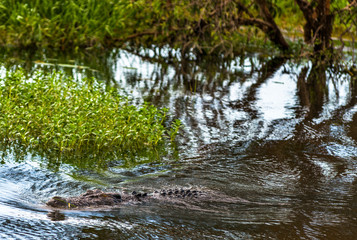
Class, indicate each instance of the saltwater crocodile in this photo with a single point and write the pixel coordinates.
(100, 199)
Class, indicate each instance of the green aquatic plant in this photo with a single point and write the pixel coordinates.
(175, 126)
(55, 113)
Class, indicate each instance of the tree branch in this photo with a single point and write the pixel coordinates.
(256, 22)
(273, 31)
(306, 9)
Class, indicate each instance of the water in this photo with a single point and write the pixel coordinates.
(252, 132)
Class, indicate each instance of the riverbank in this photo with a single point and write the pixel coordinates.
(109, 24)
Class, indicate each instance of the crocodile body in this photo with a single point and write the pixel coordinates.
(99, 199)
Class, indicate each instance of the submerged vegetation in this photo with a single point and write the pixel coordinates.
(51, 111)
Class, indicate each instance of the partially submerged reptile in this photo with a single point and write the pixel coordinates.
(98, 199)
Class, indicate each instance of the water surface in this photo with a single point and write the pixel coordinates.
(255, 129)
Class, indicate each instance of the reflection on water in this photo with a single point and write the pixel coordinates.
(279, 135)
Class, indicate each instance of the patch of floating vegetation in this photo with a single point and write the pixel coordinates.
(59, 116)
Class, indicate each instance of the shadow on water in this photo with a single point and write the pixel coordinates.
(263, 129)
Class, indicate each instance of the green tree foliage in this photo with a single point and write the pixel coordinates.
(203, 26)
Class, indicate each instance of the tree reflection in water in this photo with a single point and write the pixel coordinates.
(262, 128)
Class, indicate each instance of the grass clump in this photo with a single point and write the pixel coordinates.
(50, 111)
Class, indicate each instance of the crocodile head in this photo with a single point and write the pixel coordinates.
(58, 202)
(91, 198)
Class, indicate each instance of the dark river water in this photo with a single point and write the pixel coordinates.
(274, 141)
